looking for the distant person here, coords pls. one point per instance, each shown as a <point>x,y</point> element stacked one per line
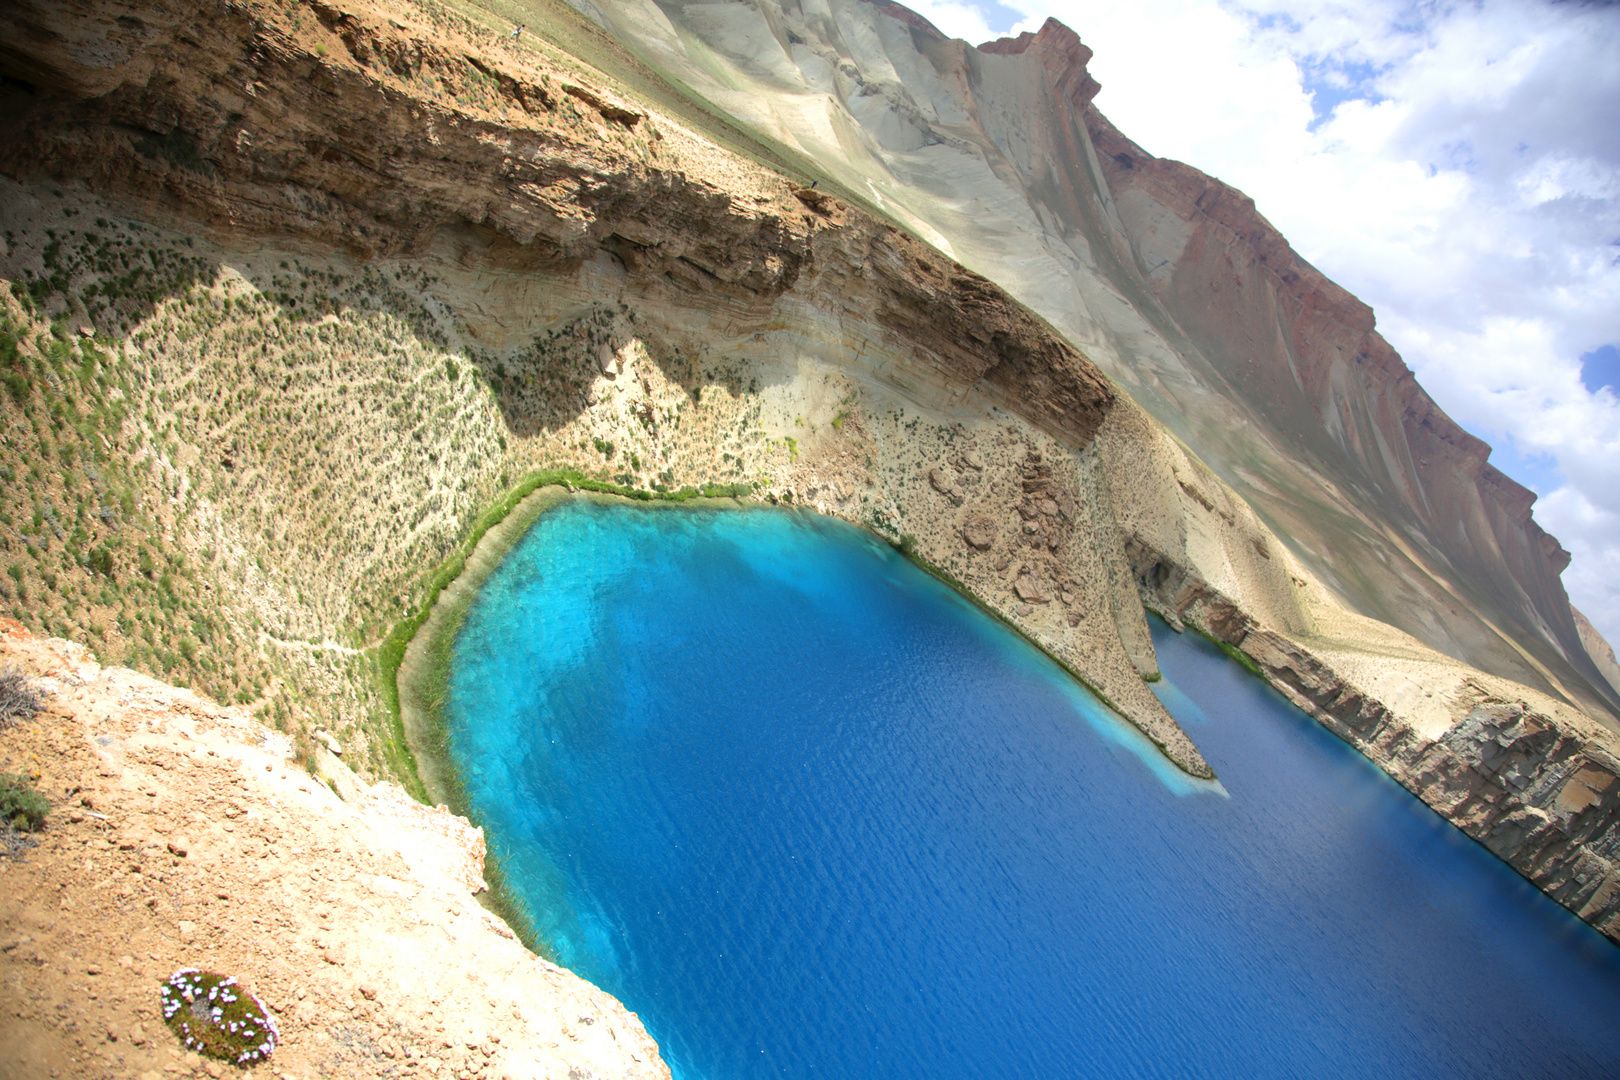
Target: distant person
<point>518,32</point>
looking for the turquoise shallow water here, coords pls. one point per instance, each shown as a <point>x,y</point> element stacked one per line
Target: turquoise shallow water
<point>811,814</point>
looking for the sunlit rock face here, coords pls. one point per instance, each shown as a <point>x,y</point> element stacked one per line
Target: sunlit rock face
<point>1173,283</point>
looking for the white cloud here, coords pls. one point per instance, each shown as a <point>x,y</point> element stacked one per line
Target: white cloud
<point>959,20</point>
<point>1454,164</point>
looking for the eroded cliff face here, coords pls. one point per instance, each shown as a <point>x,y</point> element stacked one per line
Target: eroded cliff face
<point>351,129</point>
<point>469,259</point>
<point>1173,284</point>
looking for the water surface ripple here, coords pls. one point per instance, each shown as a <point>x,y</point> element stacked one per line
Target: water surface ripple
<point>811,814</point>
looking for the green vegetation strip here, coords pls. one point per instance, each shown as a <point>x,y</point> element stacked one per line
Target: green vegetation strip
<point>440,618</point>
<point>391,652</point>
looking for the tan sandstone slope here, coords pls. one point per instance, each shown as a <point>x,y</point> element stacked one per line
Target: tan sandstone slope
<point>184,837</point>
<point>296,290</point>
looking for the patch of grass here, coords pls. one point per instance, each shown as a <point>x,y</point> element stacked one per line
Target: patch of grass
<point>1243,659</point>
<point>20,804</point>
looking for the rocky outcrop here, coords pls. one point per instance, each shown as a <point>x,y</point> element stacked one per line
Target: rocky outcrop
<point>356,130</point>
<point>1541,792</point>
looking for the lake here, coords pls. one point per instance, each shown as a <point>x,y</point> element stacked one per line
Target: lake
<point>812,814</point>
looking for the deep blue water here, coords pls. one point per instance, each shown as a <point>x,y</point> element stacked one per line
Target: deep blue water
<point>811,814</point>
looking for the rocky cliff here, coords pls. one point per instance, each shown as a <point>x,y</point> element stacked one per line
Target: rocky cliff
<point>1536,785</point>
<point>297,291</point>
<point>1174,285</point>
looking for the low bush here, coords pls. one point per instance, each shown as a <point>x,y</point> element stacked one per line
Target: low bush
<point>19,700</point>
<point>20,804</point>
<point>212,1015</point>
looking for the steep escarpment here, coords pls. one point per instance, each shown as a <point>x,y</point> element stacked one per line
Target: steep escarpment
<point>1304,354</point>
<point>355,132</point>
<point>1173,285</point>
<point>1300,357</point>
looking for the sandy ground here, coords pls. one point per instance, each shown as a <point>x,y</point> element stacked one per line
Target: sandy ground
<point>182,836</point>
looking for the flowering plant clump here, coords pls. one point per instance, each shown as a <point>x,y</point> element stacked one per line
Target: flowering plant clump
<point>209,1013</point>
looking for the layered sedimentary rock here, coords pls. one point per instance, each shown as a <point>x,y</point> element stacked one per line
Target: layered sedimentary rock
<point>1536,785</point>
<point>325,135</point>
<point>624,287</point>
<point>1174,285</point>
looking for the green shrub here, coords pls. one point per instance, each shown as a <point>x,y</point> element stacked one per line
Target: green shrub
<point>20,804</point>
<point>100,560</point>
<point>210,1014</point>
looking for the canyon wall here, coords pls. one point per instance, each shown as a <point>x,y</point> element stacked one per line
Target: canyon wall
<point>406,261</point>
<point>1174,285</point>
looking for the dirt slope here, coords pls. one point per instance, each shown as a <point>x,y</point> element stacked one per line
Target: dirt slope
<point>183,837</point>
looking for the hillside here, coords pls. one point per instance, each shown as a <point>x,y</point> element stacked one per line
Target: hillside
<point>191,839</point>
<point>1174,285</point>
<point>302,299</point>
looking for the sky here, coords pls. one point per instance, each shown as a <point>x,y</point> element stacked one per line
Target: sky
<point>1455,165</point>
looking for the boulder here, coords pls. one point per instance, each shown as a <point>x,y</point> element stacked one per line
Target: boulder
<point>979,533</point>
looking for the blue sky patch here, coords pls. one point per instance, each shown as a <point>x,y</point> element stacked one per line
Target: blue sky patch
<point>1333,82</point>
<point>1600,368</point>
<point>1538,472</point>
<point>999,17</point>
